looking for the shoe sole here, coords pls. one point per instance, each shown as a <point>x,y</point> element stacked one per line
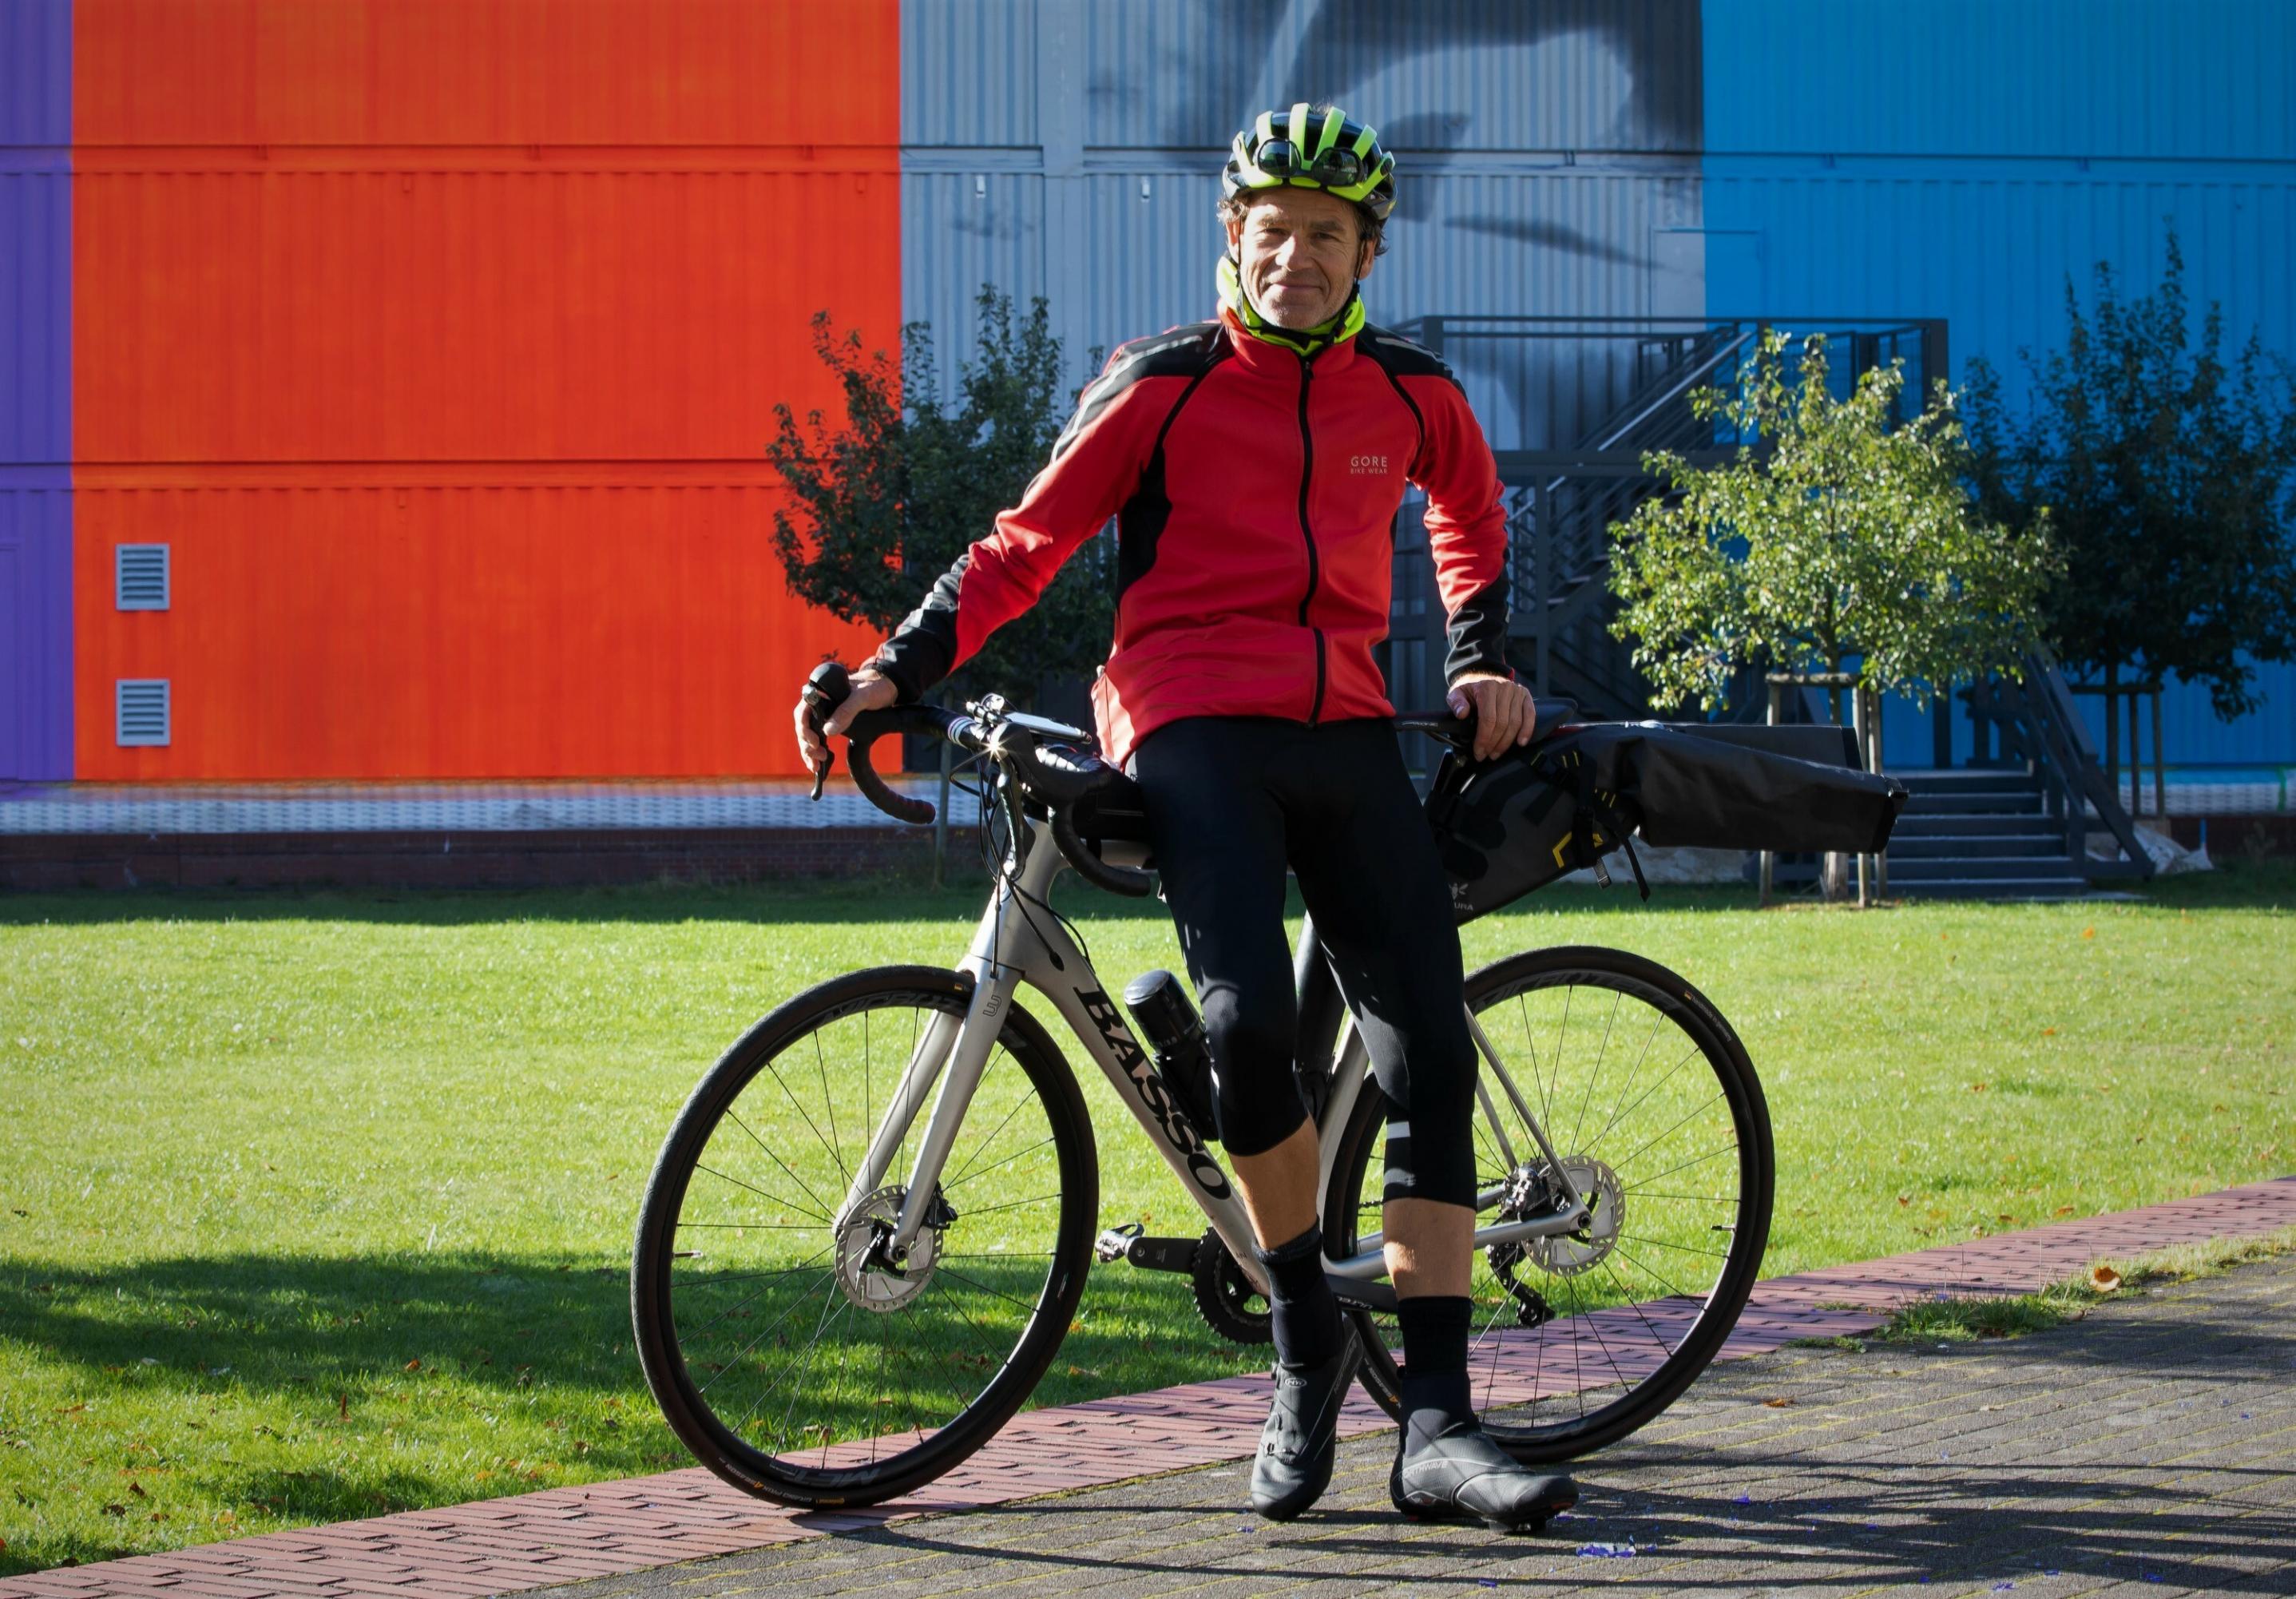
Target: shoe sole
<point>1437,1513</point>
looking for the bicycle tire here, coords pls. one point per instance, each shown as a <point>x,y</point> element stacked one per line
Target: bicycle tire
<point>667,1296</point>
<point>1673,1336</point>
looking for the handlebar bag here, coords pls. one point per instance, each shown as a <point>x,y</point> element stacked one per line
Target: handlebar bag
<point>1509,826</point>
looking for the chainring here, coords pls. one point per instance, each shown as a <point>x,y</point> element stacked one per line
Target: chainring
<point>1225,1297</point>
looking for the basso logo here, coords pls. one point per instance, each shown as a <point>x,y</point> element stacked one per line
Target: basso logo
<point>1367,466</point>
<point>1150,1088</point>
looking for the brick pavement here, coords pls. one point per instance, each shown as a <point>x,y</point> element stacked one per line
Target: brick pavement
<point>566,1535</point>
<point>2145,1450</point>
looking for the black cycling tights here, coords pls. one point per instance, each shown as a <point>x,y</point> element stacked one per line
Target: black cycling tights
<point>1232,800</point>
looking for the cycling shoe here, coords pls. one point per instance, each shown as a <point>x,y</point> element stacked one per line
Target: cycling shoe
<point>1462,1475</point>
<point>1298,1443</point>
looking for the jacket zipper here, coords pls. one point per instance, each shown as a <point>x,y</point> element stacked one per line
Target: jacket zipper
<point>1314,567</point>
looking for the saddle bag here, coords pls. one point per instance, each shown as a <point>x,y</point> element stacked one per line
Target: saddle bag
<point>1510,825</point>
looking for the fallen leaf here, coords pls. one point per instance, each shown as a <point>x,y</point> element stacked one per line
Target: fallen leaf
<point>2088,932</point>
<point>2064,1210</point>
<point>2049,1032</point>
<point>1905,1199</point>
<point>412,1365</point>
<point>2103,1279</point>
<point>1780,1403</point>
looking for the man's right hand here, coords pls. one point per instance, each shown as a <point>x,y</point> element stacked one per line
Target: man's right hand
<point>871,692</point>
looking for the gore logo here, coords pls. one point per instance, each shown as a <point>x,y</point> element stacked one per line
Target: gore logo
<point>1368,466</point>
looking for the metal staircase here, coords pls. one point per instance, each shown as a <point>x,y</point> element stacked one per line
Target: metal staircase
<point>1981,835</point>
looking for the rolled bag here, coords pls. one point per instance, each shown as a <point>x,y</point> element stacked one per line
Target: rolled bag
<point>1507,826</point>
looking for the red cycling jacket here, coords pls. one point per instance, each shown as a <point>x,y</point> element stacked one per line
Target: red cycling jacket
<point>1255,489</point>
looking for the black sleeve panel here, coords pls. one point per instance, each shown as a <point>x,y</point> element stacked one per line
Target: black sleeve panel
<point>923,647</point>
<point>1477,634</point>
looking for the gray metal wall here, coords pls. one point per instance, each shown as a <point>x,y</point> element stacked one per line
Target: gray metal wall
<point>1073,150</point>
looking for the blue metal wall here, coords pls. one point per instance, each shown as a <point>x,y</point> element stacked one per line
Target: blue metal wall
<point>34,389</point>
<point>1967,159</point>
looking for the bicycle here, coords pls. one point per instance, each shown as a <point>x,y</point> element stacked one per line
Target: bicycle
<point>826,1331</point>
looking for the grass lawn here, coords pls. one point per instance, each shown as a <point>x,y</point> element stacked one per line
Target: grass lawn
<point>317,1206</point>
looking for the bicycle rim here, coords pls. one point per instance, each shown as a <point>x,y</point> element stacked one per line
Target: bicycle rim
<point>1651,1108</point>
<point>787,1351</point>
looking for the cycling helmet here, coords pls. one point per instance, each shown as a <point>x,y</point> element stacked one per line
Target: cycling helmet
<point>1309,149</point>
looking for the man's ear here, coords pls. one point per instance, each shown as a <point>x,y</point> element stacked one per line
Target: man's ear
<point>1367,252</point>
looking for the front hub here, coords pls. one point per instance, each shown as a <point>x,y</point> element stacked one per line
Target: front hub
<point>870,1274</point>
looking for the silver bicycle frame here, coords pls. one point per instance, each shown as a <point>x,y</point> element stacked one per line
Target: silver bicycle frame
<point>1019,941</point>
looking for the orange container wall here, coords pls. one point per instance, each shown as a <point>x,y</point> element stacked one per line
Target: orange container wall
<point>325,630</point>
<point>440,341</point>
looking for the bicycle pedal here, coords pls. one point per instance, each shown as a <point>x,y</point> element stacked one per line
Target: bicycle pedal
<point>1112,1244</point>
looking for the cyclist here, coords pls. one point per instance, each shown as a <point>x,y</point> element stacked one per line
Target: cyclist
<point>1254,464</point>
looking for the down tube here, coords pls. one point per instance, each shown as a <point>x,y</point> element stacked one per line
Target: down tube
<point>1094,1018</point>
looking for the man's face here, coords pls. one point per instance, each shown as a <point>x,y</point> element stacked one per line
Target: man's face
<point>1298,252</point>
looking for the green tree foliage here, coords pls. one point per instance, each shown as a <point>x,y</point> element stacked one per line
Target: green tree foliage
<point>2167,476</point>
<point>1830,541</point>
<point>884,502</point>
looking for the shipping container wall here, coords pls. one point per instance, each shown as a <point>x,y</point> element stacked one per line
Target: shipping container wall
<point>2078,79</point>
<point>441,342</point>
<point>36,640</point>
<point>1873,162</point>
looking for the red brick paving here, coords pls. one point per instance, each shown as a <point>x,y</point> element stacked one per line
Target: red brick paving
<point>565,1535</point>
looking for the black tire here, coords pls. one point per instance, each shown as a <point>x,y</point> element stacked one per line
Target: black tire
<point>1649,1303</point>
<point>898,1378</point>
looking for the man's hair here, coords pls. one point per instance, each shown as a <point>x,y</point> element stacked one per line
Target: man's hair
<point>1233,207</point>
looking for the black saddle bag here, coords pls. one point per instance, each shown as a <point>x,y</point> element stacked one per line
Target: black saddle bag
<point>1510,825</point>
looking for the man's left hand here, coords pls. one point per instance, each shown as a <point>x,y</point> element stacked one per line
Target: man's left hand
<point>1502,710</point>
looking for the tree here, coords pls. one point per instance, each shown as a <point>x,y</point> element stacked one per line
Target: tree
<point>2167,478</point>
<point>1829,538</point>
<point>882,503</point>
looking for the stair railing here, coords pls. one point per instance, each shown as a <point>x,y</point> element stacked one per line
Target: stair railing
<point>2037,725</point>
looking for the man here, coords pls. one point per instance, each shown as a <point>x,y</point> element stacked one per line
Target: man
<point>1254,464</point>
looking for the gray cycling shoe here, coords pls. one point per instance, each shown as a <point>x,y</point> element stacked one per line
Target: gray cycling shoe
<point>1300,1440</point>
<point>1461,1474</point>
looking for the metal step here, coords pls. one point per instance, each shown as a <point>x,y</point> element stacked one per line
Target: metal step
<point>1991,887</point>
<point>2022,802</point>
<point>1931,781</point>
<point>1956,867</point>
<point>1945,846</point>
<point>1970,825</point>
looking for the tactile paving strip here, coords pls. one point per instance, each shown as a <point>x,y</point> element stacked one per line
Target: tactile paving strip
<point>564,1535</point>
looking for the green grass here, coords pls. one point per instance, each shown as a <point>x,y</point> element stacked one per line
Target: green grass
<point>317,1206</point>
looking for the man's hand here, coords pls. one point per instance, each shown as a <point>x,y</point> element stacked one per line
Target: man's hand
<point>1502,710</point>
<point>870,692</point>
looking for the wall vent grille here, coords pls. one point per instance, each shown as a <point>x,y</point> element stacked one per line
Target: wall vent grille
<point>140,576</point>
<point>143,712</point>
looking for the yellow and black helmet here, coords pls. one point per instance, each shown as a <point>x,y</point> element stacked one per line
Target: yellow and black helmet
<point>1309,149</point>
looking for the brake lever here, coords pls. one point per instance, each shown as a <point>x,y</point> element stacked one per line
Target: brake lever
<point>825,690</point>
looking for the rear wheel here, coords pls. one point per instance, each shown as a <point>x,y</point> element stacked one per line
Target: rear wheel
<point>789,1349</point>
<point>1654,1112</point>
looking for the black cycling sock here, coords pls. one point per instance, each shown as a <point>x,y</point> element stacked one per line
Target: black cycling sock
<point>1435,1393</point>
<point>1306,1316</point>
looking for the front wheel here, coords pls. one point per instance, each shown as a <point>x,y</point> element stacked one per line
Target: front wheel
<point>1653,1111</point>
<point>790,1349</point>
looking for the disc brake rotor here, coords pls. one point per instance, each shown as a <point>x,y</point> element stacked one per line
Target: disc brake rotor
<point>1567,1254</point>
<point>867,1270</point>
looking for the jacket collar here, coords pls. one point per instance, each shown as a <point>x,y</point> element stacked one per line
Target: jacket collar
<point>1260,343</point>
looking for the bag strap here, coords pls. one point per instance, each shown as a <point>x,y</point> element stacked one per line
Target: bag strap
<point>1590,812</point>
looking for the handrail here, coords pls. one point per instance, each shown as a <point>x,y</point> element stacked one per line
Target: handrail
<point>2039,722</point>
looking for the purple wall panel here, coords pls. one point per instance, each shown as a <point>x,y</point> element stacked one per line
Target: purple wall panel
<point>36,530</point>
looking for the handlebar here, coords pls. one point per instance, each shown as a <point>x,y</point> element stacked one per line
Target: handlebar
<point>1058,777</point>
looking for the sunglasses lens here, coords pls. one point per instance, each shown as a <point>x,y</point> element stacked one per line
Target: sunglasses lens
<point>1278,156</point>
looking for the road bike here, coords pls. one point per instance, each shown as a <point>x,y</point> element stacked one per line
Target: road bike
<point>870,1228</point>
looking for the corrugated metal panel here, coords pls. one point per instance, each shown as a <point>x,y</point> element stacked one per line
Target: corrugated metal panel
<point>36,384</point>
<point>2041,77</point>
<point>969,72</point>
<point>962,230</point>
<point>381,632</point>
<point>375,316</point>
<point>36,39</point>
<point>35,623</point>
<point>487,72</point>
<point>1442,74</point>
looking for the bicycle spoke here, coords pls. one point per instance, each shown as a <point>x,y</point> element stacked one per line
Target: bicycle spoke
<point>1579,1124</point>
<point>753,1188</point>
